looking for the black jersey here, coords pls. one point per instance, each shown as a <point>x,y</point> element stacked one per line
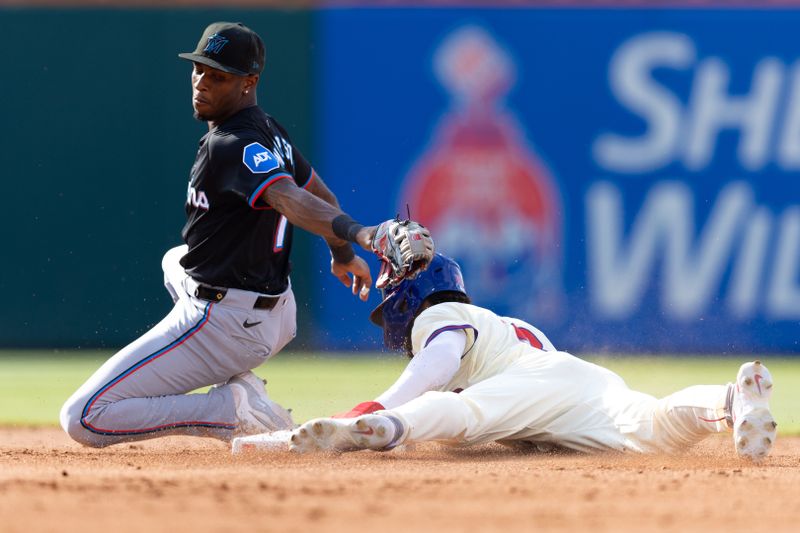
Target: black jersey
<point>235,239</point>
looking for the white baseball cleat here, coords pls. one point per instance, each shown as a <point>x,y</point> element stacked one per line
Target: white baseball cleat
<point>255,412</point>
<point>754,428</point>
<point>367,432</point>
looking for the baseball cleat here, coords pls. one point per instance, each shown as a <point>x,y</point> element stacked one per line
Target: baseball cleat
<point>368,432</point>
<point>754,428</point>
<point>255,412</point>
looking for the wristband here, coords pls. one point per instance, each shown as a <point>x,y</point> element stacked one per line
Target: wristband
<point>342,254</point>
<point>345,227</point>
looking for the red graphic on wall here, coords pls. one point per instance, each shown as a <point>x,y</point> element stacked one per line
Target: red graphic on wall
<point>489,200</point>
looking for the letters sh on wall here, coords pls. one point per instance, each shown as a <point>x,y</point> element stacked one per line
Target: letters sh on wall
<point>625,180</point>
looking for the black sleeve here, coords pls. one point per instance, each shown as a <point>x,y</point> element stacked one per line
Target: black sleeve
<point>302,170</point>
<point>303,173</point>
<point>247,167</point>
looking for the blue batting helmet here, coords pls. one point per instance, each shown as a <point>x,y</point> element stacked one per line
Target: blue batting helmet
<point>401,303</point>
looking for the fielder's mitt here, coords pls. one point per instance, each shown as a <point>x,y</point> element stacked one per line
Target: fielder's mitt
<point>404,247</point>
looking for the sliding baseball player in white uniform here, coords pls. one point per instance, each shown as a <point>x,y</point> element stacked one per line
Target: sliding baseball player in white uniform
<point>476,377</point>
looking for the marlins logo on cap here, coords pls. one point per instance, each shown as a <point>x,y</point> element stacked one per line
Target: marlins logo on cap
<point>215,44</point>
<point>231,47</point>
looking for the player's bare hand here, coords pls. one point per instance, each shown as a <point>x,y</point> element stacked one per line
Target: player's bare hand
<point>356,274</point>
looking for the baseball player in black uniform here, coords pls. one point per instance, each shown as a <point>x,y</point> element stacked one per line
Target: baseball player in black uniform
<point>234,306</point>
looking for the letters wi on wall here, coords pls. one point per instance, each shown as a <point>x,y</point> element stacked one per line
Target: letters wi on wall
<point>625,180</point>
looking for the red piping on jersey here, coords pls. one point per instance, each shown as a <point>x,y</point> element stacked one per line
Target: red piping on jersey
<point>261,188</point>
<point>310,179</point>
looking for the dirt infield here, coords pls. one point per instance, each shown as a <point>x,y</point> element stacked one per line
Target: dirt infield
<point>179,484</point>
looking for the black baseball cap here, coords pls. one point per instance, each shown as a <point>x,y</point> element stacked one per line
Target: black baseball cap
<point>230,47</point>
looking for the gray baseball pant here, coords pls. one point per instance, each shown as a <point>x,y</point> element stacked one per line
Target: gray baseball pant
<point>144,390</point>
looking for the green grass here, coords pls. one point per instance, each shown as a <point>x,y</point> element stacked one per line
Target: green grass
<point>33,385</point>
<point>660,376</point>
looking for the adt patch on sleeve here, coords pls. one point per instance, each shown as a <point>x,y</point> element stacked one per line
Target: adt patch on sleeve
<point>258,159</point>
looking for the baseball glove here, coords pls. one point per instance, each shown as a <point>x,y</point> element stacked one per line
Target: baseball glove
<point>404,247</point>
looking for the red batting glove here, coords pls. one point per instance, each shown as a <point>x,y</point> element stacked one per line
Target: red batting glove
<point>364,408</point>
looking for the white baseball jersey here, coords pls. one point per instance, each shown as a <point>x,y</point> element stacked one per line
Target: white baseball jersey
<point>512,385</point>
<point>493,342</point>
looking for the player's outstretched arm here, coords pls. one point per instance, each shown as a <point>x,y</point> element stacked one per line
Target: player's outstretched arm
<point>432,368</point>
<point>314,210</point>
<point>319,189</point>
<point>405,247</point>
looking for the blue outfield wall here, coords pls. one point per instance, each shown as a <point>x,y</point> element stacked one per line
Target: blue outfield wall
<point>624,180</point>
